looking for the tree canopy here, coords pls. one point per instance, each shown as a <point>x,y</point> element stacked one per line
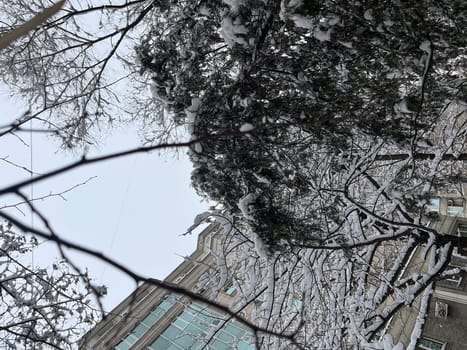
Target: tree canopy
<point>41,308</point>
<point>323,127</point>
<point>284,88</point>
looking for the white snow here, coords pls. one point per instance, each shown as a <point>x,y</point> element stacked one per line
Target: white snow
<point>426,46</point>
<point>418,327</point>
<point>193,109</point>
<point>199,219</point>
<point>245,203</point>
<point>302,21</point>
<point>288,9</point>
<point>322,35</point>
<point>343,71</point>
<point>368,15</point>
<point>295,3</point>
<point>204,11</point>
<point>246,127</point>
<point>234,4</point>
<point>230,30</point>
<point>197,147</point>
<point>333,20</point>
<point>347,44</point>
<point>401,107</point>
<point>191,113</point>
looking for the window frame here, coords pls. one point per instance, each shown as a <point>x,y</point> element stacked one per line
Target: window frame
<point>154,316</point>
<point>230,290</point>
<point>210,325</point>
<point>433,205</point>
<point>453,281</point>
<point>420,346</point>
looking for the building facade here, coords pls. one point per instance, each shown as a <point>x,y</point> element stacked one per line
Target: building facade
<point>152,318</point>
<point>445,324</point>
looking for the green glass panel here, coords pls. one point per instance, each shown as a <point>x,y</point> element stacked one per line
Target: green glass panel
<point>202,322</point>
<point>193,330</point>
<point>160,343</point>
<point>180,323</point>
<point>139,330</point>
<point>425,343</point>
<point>122,346</point>
<point>171,332</point>
<point>245,346</point>
<point>197,345</point>
<point>451,281</point>
<point>231,290</point>
<point>462,229</point>
<point>152,318</point>
<point>131,339</point>
<point>241,326</point>
<point>225,337</point>
<point>187,316</point>
<point>195,306</point>
<point>205,311</point>
<point>448,282</point>
<point>173,347</point>
<point>184,341</point>
<point>165,305</point>
<point>234,330</point>
<point>218,345</point>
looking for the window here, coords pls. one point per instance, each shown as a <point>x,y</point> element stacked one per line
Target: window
<point>230,290</point>
<point>462,230</point>
<point>429,344</point>
<point>432,207</point>
<point>197,327</point>
<point>455,207</point>
<point>453,281</point>
<point>147,322</point>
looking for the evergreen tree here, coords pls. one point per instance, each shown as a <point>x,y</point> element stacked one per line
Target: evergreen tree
<point>277,85</point>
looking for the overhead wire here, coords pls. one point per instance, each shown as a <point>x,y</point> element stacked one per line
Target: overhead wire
<point>31,174</point>
<point>123,203</point>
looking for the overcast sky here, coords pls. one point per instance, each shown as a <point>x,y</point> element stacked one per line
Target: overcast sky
<point>133,209</point>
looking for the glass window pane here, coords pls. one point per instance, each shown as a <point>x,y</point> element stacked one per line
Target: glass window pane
<point>165,305</point>
<point>151,318</point>
<point>233,329</point>
<point>122,346</point>
<point>160,343</point>
<point>202,322</point>
<point>225,337</point>
<point>184,341</point>
<point>180,323</point>
<point>172,332</point>
<point>455,211</point>
<point>462,229</point>
<point>230,290</point>
<point>197,345</point>
<point>192,329</point>
<point>187,316</point>
<point>429,344</point>
<point>131,339</point>
<point>218,345</point>
<point>196,325</point>
<point>245,346</point>
<point>432,206</point>
<point>140,330</point>
<point>173,347</point>
<point>451,281</point>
